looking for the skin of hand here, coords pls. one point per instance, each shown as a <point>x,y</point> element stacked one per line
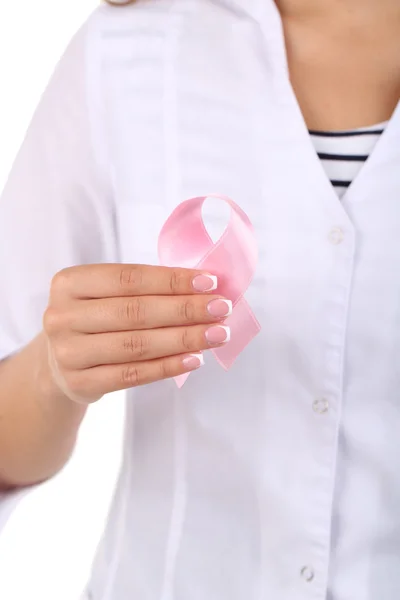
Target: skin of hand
<point>116,2</point>
<point>112,326</point>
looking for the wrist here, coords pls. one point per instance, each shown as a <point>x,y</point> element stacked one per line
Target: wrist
<point>50,393</point>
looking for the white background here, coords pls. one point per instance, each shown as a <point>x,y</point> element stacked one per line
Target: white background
<point>47,547</point>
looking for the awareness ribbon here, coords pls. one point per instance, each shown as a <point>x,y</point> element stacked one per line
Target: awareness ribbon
<point>184,242</point>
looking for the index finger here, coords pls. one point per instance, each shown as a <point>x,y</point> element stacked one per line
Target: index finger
<point>112,280</point>
<point>120,1</point>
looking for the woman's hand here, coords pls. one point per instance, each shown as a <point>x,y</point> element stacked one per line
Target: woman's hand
<point>112,326</point>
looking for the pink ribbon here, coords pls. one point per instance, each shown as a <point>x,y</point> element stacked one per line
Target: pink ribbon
<point>184,242</point>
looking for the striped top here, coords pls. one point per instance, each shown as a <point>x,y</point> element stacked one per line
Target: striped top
<point>343,153</point>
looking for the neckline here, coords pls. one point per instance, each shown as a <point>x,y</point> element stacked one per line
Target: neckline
<point>272,27</point>
<point>377,128</point>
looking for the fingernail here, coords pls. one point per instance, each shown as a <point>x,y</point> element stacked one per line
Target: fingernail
<point>218,334</point>
<point>219,308</point>
<point>193,361</point>
<point>205,283</point>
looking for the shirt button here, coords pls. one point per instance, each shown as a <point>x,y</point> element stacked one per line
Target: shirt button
<point>307,574</point>
<point>336,236</point>
<point>320,405</point>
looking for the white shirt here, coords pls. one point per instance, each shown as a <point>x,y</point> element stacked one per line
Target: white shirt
<point>279,479</point>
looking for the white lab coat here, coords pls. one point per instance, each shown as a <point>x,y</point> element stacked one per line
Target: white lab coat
<point>279,479</point>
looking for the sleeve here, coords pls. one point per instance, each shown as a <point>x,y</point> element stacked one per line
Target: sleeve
<point>56,209</point>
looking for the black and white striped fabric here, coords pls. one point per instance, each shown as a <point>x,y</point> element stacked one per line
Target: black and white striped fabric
<point>343,153</point>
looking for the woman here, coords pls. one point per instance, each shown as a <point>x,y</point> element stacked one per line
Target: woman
<point>280,477</point>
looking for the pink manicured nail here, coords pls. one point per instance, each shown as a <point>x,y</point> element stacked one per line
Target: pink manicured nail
<point>218,334</point>
<point>205,283</point>
<point>219,308</point>
<point>193,361</point>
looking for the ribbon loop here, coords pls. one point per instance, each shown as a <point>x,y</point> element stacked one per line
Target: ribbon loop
<point>185,242</point>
